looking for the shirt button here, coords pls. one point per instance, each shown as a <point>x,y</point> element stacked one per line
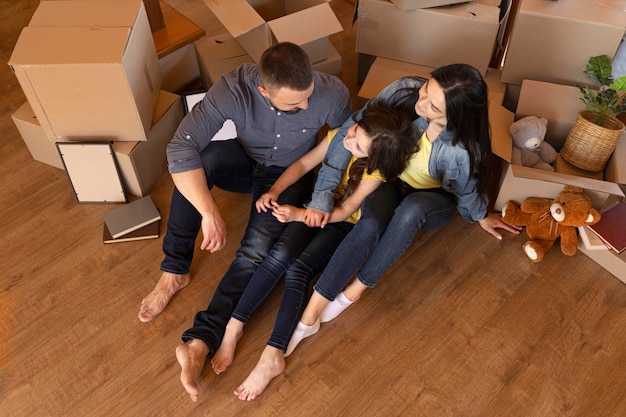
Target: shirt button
<point>275,147</point>
<point>188,137</point>
<point>303,130</point>
<point>278,135</point>
<point>278,113</point>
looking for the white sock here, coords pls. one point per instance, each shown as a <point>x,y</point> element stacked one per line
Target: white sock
<point>335,308</point>
<point>302,332</point>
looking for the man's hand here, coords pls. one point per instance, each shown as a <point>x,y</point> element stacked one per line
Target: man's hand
<point>213,233</point>
<point>315,218</point>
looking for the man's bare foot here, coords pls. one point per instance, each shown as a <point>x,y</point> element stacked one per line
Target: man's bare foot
<point>270,365</point>
<point>191,357</point>
<point>155,302</point>
<point>226,352</point>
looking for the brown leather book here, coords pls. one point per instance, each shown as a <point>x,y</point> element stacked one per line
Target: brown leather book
<point>612,227</point>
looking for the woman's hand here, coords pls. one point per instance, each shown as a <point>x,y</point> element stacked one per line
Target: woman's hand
<point>494,221</point>
<point>315,218</point>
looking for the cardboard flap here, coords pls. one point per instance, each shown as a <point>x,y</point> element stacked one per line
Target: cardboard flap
<point>313,23</point>
<point>500,121</point>
<point>236,15</point>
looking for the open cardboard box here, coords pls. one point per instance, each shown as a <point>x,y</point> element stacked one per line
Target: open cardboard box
<point>432,37</point>
<point>41,149</point>
<point>89,68</point>
<point>560,105</point>
<point>259,25</point>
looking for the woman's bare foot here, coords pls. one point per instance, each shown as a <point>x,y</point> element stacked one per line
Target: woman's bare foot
<point>155,302</point>
<point>270,365</point>
<point>226,352</point>
<point>191,357</point>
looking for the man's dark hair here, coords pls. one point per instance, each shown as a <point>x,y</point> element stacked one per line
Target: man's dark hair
<point>286,65</point>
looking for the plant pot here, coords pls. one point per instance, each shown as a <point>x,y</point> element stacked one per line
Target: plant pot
<point>589,146</point>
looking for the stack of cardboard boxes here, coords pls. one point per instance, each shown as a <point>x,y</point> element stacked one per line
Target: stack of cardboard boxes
<point>253,26</point>
<point>550,43</point>
<point>90,74</point>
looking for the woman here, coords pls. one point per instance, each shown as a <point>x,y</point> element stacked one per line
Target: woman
<point>449,172</point>
<point>380,145</point>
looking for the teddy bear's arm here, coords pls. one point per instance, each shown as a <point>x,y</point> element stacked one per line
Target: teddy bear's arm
<point>535,204</point>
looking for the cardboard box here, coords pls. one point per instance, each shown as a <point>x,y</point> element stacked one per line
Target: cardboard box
<point>553,40</point>
<point>430,37</point>
<point>257,25</point>
<point>610,260</point>
<point>519,182</point>
<point>41,149</point>
<point>407,5</point>
<point>179,68</point>
<point>220,54</point>
<point>332,64</point>
<point>142,163</point>
<point>89,68</point>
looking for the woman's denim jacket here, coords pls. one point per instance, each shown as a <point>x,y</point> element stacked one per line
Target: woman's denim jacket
<point>448,164</point>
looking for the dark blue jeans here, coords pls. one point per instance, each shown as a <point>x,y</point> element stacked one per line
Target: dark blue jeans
<point>376,212</point>
<point>419,210</point>
<point>229,167</point>
<point>313,248</point>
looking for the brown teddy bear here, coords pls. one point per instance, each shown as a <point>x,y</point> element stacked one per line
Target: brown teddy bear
<point>546,220</point>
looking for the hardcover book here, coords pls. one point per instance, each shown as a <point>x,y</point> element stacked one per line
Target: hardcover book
<point>130,217</point>
<point>150,231</point>
<point>612,227</point>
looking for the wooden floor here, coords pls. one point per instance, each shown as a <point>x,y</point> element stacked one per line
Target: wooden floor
<point>462,325</point>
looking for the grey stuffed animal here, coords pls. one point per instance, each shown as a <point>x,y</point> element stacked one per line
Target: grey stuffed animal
<point>529,147</point>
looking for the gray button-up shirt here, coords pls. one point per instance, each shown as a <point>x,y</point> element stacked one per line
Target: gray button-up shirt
<point>269,136</point>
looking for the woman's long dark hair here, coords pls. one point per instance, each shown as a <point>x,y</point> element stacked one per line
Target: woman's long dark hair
<point>467,113</point>
<point>393,142</point>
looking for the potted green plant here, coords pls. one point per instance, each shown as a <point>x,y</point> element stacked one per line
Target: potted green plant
<point>596,131</point>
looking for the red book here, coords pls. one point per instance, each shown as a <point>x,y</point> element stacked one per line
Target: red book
<point>612,227</point>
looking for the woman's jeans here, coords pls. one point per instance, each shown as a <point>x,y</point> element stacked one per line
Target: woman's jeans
<point>228,166</point>
<point>418,210</point>
<point>300,253</point>
<point>376,212</point>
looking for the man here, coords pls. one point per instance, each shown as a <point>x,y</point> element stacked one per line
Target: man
<point>278,108</point>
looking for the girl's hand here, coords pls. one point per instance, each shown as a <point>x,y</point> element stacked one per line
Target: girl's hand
<point>266,202</point>
<point>494,221</point>
<point>286,213</point>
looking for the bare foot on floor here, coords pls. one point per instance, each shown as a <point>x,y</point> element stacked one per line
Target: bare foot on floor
<point>271,364</point>
<point>191,357</point>
<point>226,352</point>
<point>155,302</point>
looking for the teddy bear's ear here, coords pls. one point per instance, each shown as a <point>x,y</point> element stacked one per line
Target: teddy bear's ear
<point>594,216</point>
<point>573,189</point>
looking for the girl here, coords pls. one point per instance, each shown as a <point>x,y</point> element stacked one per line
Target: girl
<point>380,144</point>
<point>448,172</point>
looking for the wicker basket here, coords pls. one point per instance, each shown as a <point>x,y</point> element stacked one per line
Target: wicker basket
<point>588,145</point>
